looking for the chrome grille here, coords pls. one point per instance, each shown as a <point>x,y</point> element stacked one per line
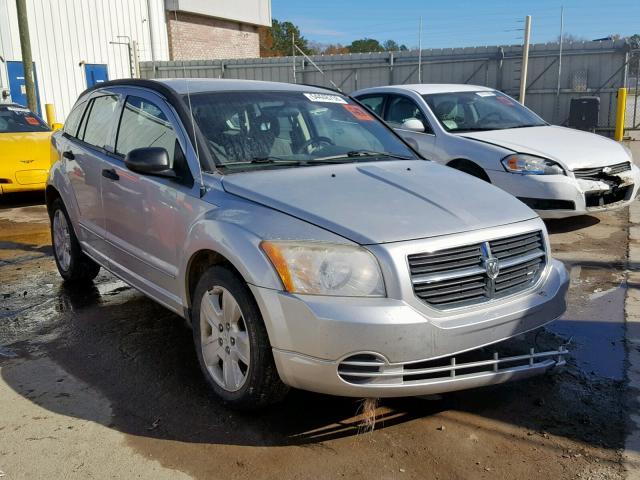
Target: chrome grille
<point>461,276</point>
<point>597,171</point>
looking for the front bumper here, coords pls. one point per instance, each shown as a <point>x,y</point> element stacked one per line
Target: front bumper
<point>313,336</point>
<point>566,195</point>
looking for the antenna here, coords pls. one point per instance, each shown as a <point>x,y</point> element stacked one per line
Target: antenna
<point>193,123</point>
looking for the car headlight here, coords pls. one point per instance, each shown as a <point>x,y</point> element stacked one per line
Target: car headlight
<point>531,165</point>
<point>325,269</point>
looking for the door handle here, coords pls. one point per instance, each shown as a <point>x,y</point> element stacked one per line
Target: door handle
<point>110,174</point>
<point>68,154</point>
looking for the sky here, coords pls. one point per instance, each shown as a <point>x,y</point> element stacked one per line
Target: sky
<point>455,23</point>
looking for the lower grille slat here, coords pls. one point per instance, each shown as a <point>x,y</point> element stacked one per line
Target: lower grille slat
<point>458,276</point>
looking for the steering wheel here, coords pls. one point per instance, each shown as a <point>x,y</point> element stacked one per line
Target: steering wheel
<point>317,141</point>
<point>495,115</point>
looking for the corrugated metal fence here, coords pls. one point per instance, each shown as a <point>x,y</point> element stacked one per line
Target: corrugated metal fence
<point>587,69</point>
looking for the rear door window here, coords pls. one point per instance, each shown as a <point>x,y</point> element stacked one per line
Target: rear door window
<point>97,122</point>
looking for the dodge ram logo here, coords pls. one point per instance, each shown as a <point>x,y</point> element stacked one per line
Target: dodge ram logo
<point>493,267</point>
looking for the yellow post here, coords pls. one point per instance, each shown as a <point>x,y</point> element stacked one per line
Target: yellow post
<point>622,106</point>
<point>51,113</point>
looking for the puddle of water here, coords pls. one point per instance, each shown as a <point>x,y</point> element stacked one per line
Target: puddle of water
<point>595,321</point>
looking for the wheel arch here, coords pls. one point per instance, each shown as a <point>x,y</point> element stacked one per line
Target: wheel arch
<point>199,262</point>
<point>50,196</point>
<point>470,167</point>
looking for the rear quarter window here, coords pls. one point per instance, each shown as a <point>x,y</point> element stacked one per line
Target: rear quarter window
<point>73,120</point>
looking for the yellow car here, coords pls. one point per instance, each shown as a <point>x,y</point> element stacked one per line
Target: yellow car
<point>25,150</point>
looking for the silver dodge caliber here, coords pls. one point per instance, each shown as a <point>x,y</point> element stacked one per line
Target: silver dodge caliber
<point>306,243</point>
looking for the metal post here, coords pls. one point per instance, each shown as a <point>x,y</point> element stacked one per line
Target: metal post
<point>150,22</point>
<point>50,110</point>
<point>293,47</point>
<point>561,42</point>
<point>132,66</point>
<point>525,59</point>
<point>136,58</point>
<point>27,59</point>
<point>620,114</point>
<point>637,93</point>
<point>420,51</point>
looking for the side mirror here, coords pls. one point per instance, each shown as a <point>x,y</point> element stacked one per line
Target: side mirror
<point>57,126</point>
<point>414,125</point>
<point>149,161</point>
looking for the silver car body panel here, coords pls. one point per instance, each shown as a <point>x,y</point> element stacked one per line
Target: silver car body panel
<point>153,228</point>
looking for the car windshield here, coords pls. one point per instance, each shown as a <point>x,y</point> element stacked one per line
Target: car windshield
<point>249,130</point>
<point>20,119</point>
<point>477,111</point>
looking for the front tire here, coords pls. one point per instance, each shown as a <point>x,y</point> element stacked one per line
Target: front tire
<point>72,263</point>
<point>231,342</point>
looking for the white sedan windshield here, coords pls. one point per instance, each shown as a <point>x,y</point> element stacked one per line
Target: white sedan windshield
<point>477,111</point>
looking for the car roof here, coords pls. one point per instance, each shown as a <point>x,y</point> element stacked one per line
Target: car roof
<point>183,86</point>
<point>428,88</point>
<point>6,105</point>
<point>198,85</point>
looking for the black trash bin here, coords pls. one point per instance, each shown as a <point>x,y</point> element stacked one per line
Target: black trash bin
<point>584,113</point>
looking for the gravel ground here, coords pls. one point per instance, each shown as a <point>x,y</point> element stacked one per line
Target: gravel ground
<point>100,382</point>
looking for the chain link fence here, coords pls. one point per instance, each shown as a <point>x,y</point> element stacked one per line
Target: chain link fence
<point>632,113</point>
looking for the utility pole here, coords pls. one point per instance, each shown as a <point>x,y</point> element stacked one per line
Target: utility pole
<point>525,59</point>
<point>27,59</point>
<point>420,51</point>
<point>293,47</point>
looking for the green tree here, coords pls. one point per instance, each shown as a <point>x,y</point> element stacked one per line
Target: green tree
<point>365,45</point>
<point>277,40</point>
<point>392,46</point>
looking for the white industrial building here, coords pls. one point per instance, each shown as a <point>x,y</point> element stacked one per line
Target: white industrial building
<point>77,43</point>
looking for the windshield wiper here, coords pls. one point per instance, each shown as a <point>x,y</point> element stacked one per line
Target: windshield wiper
<point>265,160</point>
<point>526,126</point>
<point>360,154</point>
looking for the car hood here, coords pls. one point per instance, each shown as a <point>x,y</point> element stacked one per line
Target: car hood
<point>379,202</point>
<point>571,148</point>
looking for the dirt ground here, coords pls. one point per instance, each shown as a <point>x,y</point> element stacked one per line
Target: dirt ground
<point>100,382</point>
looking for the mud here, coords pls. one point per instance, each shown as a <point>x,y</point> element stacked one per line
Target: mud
<point>100,381</point>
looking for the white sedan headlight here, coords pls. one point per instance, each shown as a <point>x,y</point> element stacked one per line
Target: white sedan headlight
<point>531,165</point>
<point>325,269</point>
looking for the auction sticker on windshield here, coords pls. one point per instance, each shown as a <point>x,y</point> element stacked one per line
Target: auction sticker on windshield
<point>324,97</point>
<point>358,112</point>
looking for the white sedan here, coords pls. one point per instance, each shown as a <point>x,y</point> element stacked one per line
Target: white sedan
<point>557,171</point>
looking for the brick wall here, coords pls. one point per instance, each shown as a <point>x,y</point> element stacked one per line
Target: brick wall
<point>196,37</point>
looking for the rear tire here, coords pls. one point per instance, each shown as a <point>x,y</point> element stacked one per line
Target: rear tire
<point>232,344</point>
<point>72,263</point>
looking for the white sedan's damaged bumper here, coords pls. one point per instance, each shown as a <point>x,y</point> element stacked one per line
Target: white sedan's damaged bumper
<point>559,196</point>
